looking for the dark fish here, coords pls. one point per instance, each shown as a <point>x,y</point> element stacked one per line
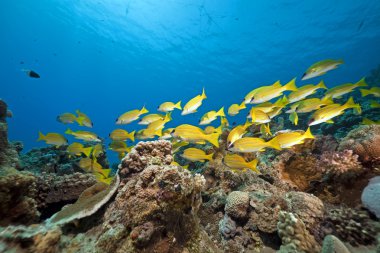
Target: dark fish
<point>31,73</point>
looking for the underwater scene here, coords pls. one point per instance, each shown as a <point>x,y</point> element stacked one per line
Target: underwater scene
<point>189,126</point>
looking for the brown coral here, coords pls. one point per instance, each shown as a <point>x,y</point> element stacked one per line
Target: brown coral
<point>364,141</point>
<point>237,204</point>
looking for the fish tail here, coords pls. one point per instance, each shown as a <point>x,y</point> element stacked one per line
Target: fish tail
<point>252,165</point>
<point>351,104</point>
<point>178,105</point>
<point>308,134</point>
<point>131,135</point>
<point>247,124</point>
<point>361,83</point>
<point>143,110</point>
<point>242,105</point>
<point>209,157</point>
<point>267,128</point>
<point>294,118</point>
<point>213,139</point>
<point>282,101</point>
<point>368,122</point>
<point>273,143</point>
<point>322,85</point>
<point>291,85</point>
<point>168,116</point>
<point>158,132</point>
<point>203,94</point>
<point>374,104</point>
<point>68,131</point>
<point>87,151</point>
<point>365,92</point>
<point>41,137</point>
<point>221,112</point>
<point>327,100</point>
<point>121,155</point>
<point>79,120</point>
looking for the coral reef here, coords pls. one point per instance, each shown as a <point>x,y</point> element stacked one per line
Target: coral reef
<point>237,204</point>
<point>370,196</point>
<point>365,142</point>
<point>333,244</point>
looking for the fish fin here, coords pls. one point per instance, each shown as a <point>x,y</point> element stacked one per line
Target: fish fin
<point>242,106</point>
<point>178,105</point>
<point>185,166</point>
<point>308,134</point>
<point>87,151</point>
<point>291,85</point>
<point>247,124</point>
<point>221,112</point>
<point>79,120</point>
<point>322,85</point>
<point>41,137</point>
<point>252,165</point>
<point>158,132</point>
<point>168,117</point>
<point>273,143</point>
<point>203,96</point>
<point>365,92</point>
<point>374,104</point>
<point>330,121</point>
<point>68,131</point>
<point>293,117</point>
<point>213,139</point>
<point>143,110</point>
<point>131,135</point>
<point>361,83</point>
<point>327,100</point>
<point>351,104</point>
<point>209,157</point>
<point>277,84</point>
<point>281,101</point>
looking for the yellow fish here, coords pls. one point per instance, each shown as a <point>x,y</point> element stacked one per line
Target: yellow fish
<point>97,150</point>
<point>305,91</point>
<point>211,129</point>
<point>275,112</point>
<point>130,116</point>
<point>210,116</point>
<point>169,106</point>
<point>252,144</point>
<point>147,119</point>
<point>83,119</point>
<point>177,145</point>
<point>320,68</point>
<point>174,163</point>
<point>195,134</point>
<point>374,104</point>
<point>119,147</point>
<point>122,135</point>
<point>326,113</point>
<point>311,104</point>
<point>53,139</point>
<point>234,109</point>
<point>67,118</point>
<point>83,135</point>
<point>375,91</point>
<point>268,94</point>
<point>78,149</point>
<point>257,116</point>
<point>370,122</point>
<point>289,139</point>
<point>104,176</point>
<point>265,130</point>
<point>293,117</point>
<point>237,162</point>
<point>196,155</point>
<point>237,133</point>
<point>90,165</point>
<point>167,133</point>
<point>159,124</point>
<point>339,91</point>
<point>224,122</point>
<point>194,104</point>
<point>147,133</point>
<point>248,98</point>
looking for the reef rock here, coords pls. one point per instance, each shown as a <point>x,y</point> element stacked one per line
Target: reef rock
<point>237,204</point>
<point>371,196</point>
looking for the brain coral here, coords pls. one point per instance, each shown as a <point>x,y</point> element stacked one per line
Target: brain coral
<point>237,204</point>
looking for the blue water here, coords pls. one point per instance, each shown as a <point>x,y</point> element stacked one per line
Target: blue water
<point>108,57</point>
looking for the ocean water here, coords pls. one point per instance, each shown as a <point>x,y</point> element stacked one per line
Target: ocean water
<point>109,57</point>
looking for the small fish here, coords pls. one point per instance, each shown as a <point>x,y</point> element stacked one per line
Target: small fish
<point>103,176</point>
<point>268,94</point>
<point>97,150</point>
<point>147,119</point>
<point>193,134</point>
<point>375,91</point>
<point>90,165</point>
<point>370,122</point>
<point>174,163</point>
<point>237,162</point>
<point>289,139</point>
<point>305,91</point>
<point>169,106</point>
<point>340,90</point>
<point>83,135</point>
<point>196,155</point>
<point>268,107</point>
<point>257,116</point>
<point>252,144</point>
<point>147,133</point>
<point>248,98</point>
<point>293,117</point>
<point>31,73</point>
<point>83,119</point>
<point>210,116</point>
<point>320,68</point>
<point>78,149</point>
<point>275,112</point>
<point>234,109</point>
<point>374,104</point>
<point>211,129</point>
<point>237,133</point>
<point>194,104</point>
<point>53,139</point>
<point>67,118</point>
<point>326,113</point>
<point>265,130</point>
<point>167,134</point>
<point>122,135</point>
<point>312,104</point>
<point>176,146</point>
<point>119,147</point>
<point>159,124</point>
<point>130,116</point>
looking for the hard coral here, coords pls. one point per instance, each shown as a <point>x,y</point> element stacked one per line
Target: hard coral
<point>294,235</point>
<point>363,141</point>
<point>370,196</point>
<point>237,204</point>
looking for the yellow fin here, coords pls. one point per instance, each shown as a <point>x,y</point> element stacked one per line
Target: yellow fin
<point>203,96</point>
<point>40,136</point>
<point>178,105</point>
<point>221,112</point>
<point>253,165</point>
<point>291,85</point>
<point>322,85</point>
<point>143,110</point>
<point>308,134</point>
<point>361,83</point>
<point>87,151</point>
<point>273,143</point>
<point>213,139</point>
<point>365,92</point>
